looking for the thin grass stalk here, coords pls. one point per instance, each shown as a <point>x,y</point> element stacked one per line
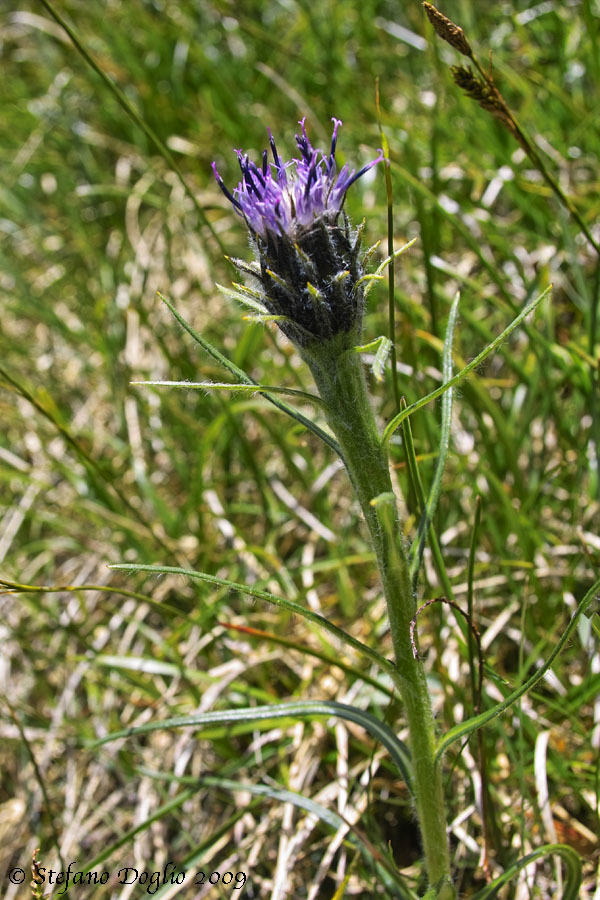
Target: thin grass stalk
<point>391,267</point>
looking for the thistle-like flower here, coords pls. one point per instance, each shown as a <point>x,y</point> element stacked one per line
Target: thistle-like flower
<point>308,262</point>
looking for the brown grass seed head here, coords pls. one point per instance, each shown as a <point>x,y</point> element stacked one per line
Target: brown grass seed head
<point>447,30</point>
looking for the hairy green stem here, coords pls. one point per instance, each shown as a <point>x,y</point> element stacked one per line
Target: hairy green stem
<point>340,379</point>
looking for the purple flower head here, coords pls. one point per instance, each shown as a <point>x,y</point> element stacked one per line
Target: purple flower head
<point>308,271</point>
<point>285,198</point>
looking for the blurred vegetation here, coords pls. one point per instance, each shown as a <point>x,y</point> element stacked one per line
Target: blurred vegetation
<point>94,470</point>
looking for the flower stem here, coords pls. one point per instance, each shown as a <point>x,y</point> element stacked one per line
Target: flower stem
<point>340,379</point>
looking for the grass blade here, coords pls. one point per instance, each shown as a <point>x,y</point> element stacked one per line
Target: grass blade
<point>391,271</point>
<point>133,114</point>
<point>313,807</point>
<point>567,854</point>
<point>472,724</point>
<point>309,651</point>
<point>397,420</point>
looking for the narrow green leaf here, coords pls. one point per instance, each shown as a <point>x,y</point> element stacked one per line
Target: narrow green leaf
<point>274,792</point>
<point>308,708</point>
<point>313,807</point>
<point>372,278</point>
<point>372,347</point>
<point>245,379</point>
<point>417,485</point>
<point>567,854</point>
<point>161,606</point>
<point>306,613</point>
<point>397,420</point>
<point>416,552</point>
<point>235,388</point>
<point>475,722</point>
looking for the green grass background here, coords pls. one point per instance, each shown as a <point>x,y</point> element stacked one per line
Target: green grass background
<point>93,470</point>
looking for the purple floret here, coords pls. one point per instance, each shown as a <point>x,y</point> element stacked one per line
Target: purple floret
<point>285,198</point>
